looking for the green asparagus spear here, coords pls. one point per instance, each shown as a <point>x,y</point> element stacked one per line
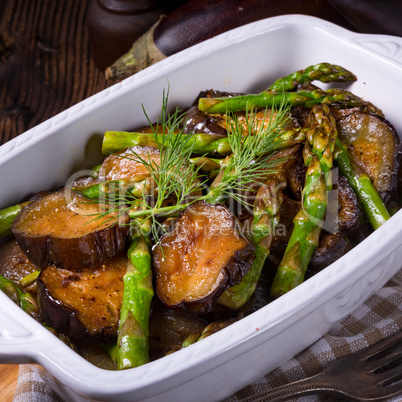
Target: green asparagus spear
<point>112,189</point>
<point>265,209</point>
<point>203,144</point>
<point>265,220</point>
<point>324,72</point>
<point>114,141</point>
<point>305,235</point>
<point>24,299</point>
<point>333,97</point>
<point>321,135</point>
<point>308,221</point>
<point>364,188</point>
<point>7,216</point>
<point>132,343</point>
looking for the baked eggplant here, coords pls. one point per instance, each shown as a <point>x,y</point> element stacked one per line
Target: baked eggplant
<point>295,172</point>
<point>374,145</point>
<point>350,217</point>
<point>126,166</point>
<point>83,305</point>
<point>343,228</point>
<point>332,246</point>
<point>14,264</point>
<point>55,230</point>
<point>287,211</point>
<point>198,122</point>
<point>203,256</point>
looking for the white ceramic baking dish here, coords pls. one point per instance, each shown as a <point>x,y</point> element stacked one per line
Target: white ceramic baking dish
<point>246,59</point>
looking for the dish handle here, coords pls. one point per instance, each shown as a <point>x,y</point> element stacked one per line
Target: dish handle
<point>390,47</point>
<point>18,343</point>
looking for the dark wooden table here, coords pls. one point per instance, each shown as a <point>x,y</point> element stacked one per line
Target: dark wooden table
<point>45,62</point>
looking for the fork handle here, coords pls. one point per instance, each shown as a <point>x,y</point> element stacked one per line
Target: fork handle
<point>316,384</point>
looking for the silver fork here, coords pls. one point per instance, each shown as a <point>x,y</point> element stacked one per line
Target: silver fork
<point>372,374</point>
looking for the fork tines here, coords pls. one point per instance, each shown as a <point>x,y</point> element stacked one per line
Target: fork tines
<point>385,361</point>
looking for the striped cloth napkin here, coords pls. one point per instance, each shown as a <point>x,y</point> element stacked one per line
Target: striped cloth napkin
<point>379,317</point>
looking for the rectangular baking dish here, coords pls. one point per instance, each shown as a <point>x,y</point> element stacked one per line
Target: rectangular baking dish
<point>246,59</point>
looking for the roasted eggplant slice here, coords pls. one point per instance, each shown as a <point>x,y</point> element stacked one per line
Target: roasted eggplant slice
<point>343,228</point>
<point>288,167</point>
<point>14,264</point>
<point>374,145</point>
<point>288,210</point>
<point>200,258</point>
<point>351,220</point>
<point>96,353</point>
<point>55,230</point>
<point>126,166</point>
<point>198,122</point>
<point>295,171</point>
<point>331,248</point>
<point>263,119</point>
<point>85,304</point>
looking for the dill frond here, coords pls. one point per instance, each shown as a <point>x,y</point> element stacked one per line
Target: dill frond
<point>252,146</point>
<point>176,179</point>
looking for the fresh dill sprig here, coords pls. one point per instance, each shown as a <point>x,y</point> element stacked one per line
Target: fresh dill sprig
<point>176,181</point>
<point>252,145</point>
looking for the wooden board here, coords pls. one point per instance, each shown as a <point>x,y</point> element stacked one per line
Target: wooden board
<point>8,381</point>
<point>45,62</point>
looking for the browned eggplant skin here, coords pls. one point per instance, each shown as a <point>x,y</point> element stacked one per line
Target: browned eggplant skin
<point>239,264</point>
<point>83,305</point>
<point>340,233</point>
<point>331,248</point>
<point>288,210</point>
<point>198,122</point>
<point>60,317</point>
<point>351,220</point>
<point>72,252</point>
<point>344,214</point>
<point>296,173</point>
<point>76,253</point>
<point>14,264</point>
<point>169,328</point>
<point>366,156</point>
<point>233,271</point>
